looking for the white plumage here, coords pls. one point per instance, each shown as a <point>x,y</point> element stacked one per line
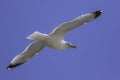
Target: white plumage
<point>54,40</point>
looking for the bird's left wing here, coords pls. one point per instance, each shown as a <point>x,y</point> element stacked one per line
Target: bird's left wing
<point>27,54</point>
<point>62,29</point>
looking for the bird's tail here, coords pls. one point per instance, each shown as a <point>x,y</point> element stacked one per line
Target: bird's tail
<point>37,36</point>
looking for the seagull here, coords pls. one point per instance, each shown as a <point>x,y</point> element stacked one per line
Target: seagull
<point>53,40</point>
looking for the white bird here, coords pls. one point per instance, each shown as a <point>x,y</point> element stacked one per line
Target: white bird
<point>54,40</point>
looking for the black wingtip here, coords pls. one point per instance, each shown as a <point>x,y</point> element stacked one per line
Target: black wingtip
<point>12,66</point>
<point>97,13</point>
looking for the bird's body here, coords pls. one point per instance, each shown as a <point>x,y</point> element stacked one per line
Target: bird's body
<point>54,40</point>
<point>50,40</point>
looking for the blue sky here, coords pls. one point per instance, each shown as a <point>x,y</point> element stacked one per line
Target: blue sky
<point>96,58</point>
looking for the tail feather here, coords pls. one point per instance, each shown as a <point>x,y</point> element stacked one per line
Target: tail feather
<point>37,36</point>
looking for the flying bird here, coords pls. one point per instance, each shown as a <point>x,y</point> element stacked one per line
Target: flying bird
<point>53,40</point>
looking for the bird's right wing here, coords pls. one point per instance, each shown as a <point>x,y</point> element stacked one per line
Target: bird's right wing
<point>27,54</point>
<point>64,28</point>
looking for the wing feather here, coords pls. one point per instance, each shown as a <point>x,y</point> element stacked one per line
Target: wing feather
<point>27,54</point>
<point>64,28</point>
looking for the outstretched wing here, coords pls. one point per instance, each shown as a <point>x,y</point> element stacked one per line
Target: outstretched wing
<point>62,30</point>
<point>27,54</point>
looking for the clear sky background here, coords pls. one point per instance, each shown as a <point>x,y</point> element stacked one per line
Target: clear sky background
<point>96,58</point>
